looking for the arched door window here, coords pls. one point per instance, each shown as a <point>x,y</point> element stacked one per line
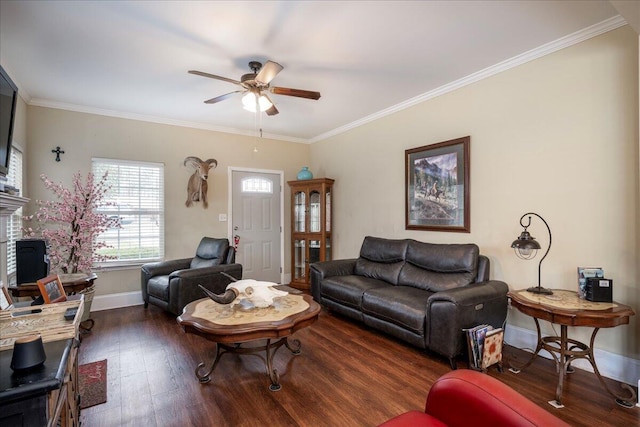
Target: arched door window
<point>257,185</point>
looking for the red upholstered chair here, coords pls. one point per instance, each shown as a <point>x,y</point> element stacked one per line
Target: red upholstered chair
<point>470,398</point>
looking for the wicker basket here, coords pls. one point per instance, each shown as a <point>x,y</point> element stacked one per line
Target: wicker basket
<point>88,299</point>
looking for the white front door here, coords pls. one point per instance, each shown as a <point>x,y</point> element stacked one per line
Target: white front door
<point>256,222</point>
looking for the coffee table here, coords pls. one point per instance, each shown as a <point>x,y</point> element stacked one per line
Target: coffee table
<point>232,327</point>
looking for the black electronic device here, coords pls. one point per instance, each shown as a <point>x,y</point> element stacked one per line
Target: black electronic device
<point>8,99</point>
<point>70,313</point>
<point>599,289</point>
<point>32,263</point>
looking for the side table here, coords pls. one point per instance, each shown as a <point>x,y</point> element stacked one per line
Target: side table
<point>72,283</point>
<point>567,309</point>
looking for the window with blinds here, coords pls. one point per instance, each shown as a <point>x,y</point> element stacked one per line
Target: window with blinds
<point>14,225</point>
<point>136,200</point>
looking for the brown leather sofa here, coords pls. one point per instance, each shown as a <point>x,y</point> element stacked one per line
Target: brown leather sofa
<point>422,293</point>
<point>468,398</point>
<point>173,284</point>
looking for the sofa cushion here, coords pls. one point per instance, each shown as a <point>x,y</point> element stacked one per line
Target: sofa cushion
<point>381,258</point>
<point>404,306</point>
<point>438,267</point>
<point>348,290</point>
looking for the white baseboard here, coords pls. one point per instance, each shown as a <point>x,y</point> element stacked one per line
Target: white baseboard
<point>610,365</point>
<point>123,299</point>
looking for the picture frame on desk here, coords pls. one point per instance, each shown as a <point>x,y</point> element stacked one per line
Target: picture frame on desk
<point>5,299</point>
<point>51,289</point>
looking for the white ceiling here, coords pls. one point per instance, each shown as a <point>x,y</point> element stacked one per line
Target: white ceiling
<point>367,58</point>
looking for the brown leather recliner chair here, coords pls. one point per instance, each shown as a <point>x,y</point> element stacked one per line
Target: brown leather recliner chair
<point>173,284</point>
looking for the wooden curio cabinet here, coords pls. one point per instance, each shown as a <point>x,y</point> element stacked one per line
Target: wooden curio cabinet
<point>310,227</point>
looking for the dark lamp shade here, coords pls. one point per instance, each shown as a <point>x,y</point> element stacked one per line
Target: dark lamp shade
<point>525,246</point>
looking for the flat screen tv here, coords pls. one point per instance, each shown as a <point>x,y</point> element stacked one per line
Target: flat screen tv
<point>8,99</point>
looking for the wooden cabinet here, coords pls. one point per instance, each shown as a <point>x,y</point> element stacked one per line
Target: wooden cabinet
<point>310,227</point>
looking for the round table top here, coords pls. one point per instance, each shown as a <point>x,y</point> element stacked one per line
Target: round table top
<point>567,308</point>
<point>226,323</point>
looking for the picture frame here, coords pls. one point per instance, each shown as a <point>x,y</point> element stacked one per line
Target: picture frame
<point>5,299</point>
<point>437,186</point>
<point>51,289</point>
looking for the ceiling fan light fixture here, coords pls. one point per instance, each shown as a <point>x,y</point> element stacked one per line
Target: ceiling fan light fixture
<point>249,102</point>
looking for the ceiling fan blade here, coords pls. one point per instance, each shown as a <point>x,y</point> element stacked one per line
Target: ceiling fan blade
<point>221,97</point>
<point>295,92</point>
<point>268,72</point>
<point>271,111</point>
<point>213,76</point>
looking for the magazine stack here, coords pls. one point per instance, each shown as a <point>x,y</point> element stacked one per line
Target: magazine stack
<point>485,347</point>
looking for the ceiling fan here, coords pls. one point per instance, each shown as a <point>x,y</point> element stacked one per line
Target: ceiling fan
<point>255,86</point>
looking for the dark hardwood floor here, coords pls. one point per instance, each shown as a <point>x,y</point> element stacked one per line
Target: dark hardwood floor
<point>347,375</point>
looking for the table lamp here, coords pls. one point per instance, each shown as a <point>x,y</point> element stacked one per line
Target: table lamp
<point>526,247</point>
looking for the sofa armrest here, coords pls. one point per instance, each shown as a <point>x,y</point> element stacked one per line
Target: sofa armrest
<point>183,284</point>
<point>451,311</point>
<point>321,270</point>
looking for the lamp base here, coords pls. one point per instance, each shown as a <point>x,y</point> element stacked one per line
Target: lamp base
<point>540,290</point>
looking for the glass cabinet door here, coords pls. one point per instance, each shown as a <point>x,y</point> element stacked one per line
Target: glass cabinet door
<point>299,211</point>
<point>327,210</point>
<point>299,259</point>
<point>314,211</point>
<point>314,251</point>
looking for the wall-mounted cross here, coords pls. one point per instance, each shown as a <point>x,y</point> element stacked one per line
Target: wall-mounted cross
<point>57,152</point>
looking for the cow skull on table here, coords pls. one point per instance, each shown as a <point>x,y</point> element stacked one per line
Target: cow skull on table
<point>247,292</point>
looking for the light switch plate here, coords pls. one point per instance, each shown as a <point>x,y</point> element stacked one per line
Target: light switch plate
<point>222,217</point>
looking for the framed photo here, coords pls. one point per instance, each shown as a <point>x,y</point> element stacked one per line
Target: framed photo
<point>51,289</point>
<point>5,299</point>
<point>437,186</point>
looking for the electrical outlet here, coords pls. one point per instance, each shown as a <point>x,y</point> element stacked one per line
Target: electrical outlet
<point>222,217</point>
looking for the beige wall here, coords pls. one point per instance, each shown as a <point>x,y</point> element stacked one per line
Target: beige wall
<point>557,136</point>
<point>83,136</point>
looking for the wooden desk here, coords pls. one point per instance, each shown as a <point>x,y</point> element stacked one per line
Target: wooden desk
<point>231,326</point>
<point>567,309</point>
<point>46,395</point>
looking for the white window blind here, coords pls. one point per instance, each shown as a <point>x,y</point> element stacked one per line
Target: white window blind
<point>137,201</point>
<point>14,225</point>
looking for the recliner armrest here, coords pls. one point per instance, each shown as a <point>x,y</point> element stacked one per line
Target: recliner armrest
<point>473,293</point>
<point>323,269</point>
<point>183,284</point>
<point>162,268</point>
<point>451,311</point>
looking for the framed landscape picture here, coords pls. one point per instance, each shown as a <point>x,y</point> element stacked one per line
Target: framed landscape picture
<point>51,289</point>
<point>437,186</point>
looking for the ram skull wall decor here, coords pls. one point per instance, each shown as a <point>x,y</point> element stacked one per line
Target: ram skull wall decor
<point>197,186</point>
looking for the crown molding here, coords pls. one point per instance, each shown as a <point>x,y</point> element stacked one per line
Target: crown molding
<point>546,49</point>
<point>153,119</point>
